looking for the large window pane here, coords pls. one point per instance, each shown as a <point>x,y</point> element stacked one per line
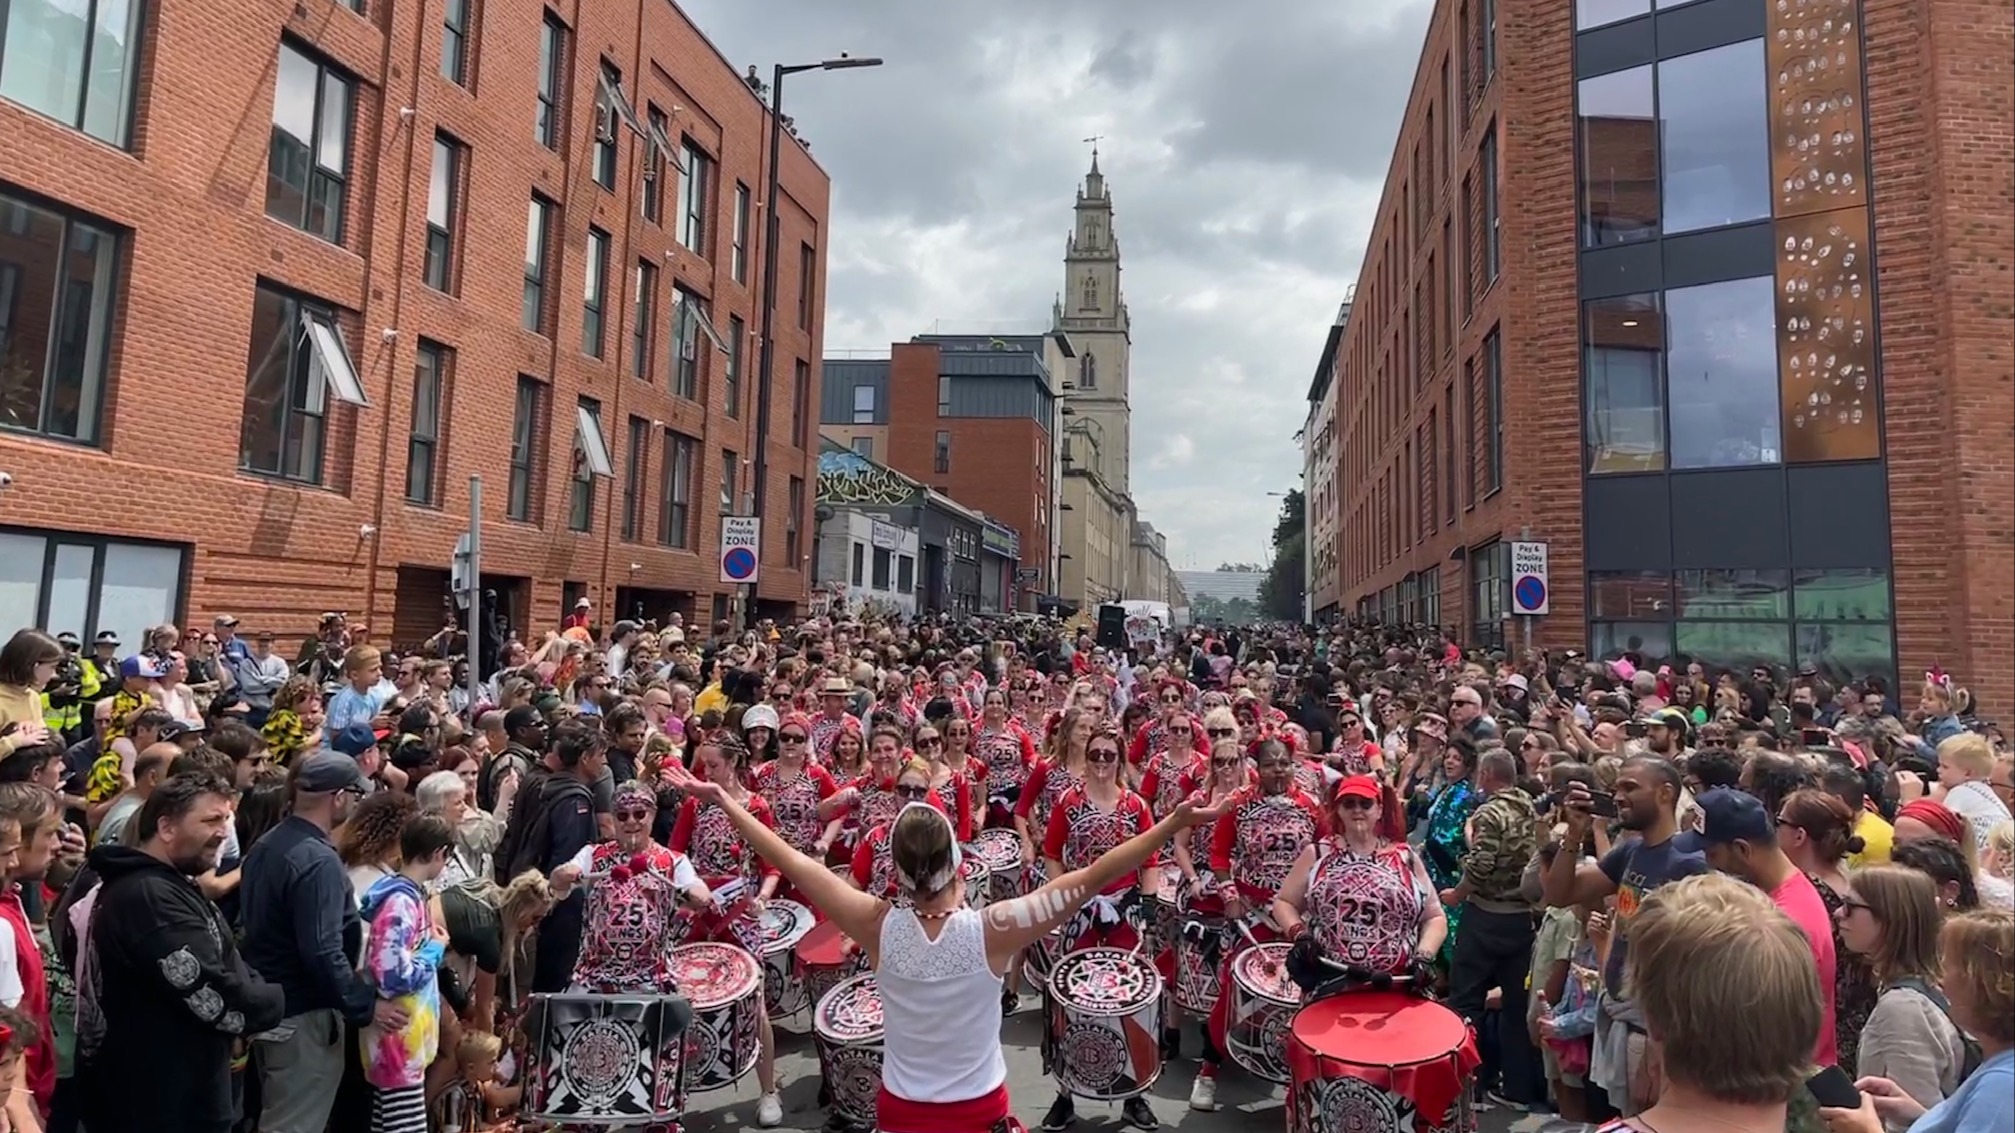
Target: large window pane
<point>1841,596</point>
<point>1714,119</point>
<point>1650,641</point>
<point>1721,374</point>
<point>1619,158</point>
<point>1736,646</point>
<point>108,94</point>
<point>1732,594</point>
<point>307,159</point>
<point>70,589</point>
<point>1844,652</point>
<point>1596,13</point>
<point>1629,595</point>
<point>140,589</point>
<point>286,398</point>
<point>1626,405</point>
<point>55,310</point>
<point>20,578</point>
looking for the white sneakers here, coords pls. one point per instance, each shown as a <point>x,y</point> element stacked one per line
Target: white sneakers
<point>770,1111</point>
<point>1203,1094</point>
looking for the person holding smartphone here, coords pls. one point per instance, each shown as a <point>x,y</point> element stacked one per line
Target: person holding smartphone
<point>1647,802</point>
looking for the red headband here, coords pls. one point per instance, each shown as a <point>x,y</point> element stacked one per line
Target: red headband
<point>1936,815</point>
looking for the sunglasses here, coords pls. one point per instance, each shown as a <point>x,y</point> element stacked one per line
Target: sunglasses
<point>632,815</point>
<point>1354,803</point>
<point>912,792</point>
<point>1222,733</point>
<point>791,738</point>
<point>1102,755</point>
<point>928,741</point>
<point>1232,761</point>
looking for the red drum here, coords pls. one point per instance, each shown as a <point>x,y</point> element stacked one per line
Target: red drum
<point>847,1029</point>
<point>723,1041</point>
<point>978,878</point>
<point>1000,850</point>
<point>601,1060</point>
<point>825,957</point>
<point>1380,1062</point>
<point>785,923</point>
<point>1263,1002</point>
<point>1105,1024</point>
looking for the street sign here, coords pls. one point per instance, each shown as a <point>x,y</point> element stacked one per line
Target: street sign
<point>1528,579</point>
<point>1027,575</point>
<point>741,548</point>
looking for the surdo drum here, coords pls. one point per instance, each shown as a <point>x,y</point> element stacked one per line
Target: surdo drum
<point>847,1030</point>
<point>1263,1002</point>
<point>1105,1023</point>
<point>1199,944</point>
<point>601,1060</point>
<point>724,985</point>
<point>978,877</point>
<point>785,924</point>
<point>1379,1062</point>
<point>1000,851</point>
<point>825,957</point>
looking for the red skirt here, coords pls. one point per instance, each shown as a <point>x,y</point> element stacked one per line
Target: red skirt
<point>988,1113</point>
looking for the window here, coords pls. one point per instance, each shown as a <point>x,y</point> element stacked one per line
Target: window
<point>444,186</point>
<point>1448,455</point>
<point>457,21</point>
<point>906,574</point>
<point>883,560</point>
<point>1714,129</point>
<point>73,60</point>
<point>1488,18</point>
<point>643,312</point>
<point>308,158</point>
<point>526,428</point>
<point>1624,374</point>
<point>1488,570</point>
<point>431,366</point>
<point>652,199</point>
<point>1596,13</point>
<point>85,585</point>
<point>737,334</point>
<point>693,190</point>
<point>1619,158</point>
<point>675,508</point>
<point>795,503</point>
<point>591,459</point>
<point>739,261</point>
<point>1493,424</point>
<point>633,478</point>
<point>689,326</point>
<point>538,235</point>
<point>941,461</point>
<point>1486,161</point>
<point>944,396</point>
<point>57,277</point>
<point>864,446</point>
<point>549,123</point>
<point>730,500</point>
<point>1471,396</point>
<point>1721,374</point>
<point>860,563</point>
<point>864,404</point>
<point>611,114</point>
<point>808,281</point>
<point>297,360</point>
<point>594,291</point>
<point>801,400</point>
<point>1087,372</point>
<point>1837,621</point>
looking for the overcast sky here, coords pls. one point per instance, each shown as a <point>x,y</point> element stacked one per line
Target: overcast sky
<point>1246,145</point>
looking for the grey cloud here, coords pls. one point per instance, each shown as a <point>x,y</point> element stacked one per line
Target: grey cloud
<point>1124,63</point>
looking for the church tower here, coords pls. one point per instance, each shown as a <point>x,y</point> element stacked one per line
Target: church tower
<point>1092,311</point>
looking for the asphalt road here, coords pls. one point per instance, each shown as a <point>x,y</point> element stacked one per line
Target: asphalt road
<point>1244,1104</point>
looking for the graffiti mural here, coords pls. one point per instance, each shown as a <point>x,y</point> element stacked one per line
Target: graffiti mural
<point>848,478</point>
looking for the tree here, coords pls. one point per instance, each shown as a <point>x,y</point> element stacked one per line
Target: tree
<point>1207,608</point>
<point>1246,568</point>
<point>1281,593</point>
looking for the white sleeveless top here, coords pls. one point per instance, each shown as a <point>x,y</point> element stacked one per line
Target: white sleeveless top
<point>936,1047</point>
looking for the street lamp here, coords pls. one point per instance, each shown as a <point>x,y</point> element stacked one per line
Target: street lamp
<point>772,229</point>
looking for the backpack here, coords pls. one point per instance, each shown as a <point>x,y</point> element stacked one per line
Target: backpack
<point>1970,1053</point>
<point>524,844</point>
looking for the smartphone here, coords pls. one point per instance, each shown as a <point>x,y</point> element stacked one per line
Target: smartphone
<point>1833,1088</point>
<point>1814,737</point>
<point>1602,805</point>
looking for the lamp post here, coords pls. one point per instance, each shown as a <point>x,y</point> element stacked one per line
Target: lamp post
<point>771,230</point>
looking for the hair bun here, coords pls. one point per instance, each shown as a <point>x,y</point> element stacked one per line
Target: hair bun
<point>1855,844</point>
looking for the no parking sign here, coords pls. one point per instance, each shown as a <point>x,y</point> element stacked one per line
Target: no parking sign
<point>741,548</point>
<point>1528,579</point>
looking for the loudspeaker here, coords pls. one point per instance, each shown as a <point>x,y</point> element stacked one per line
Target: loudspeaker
<point>1112,627</point>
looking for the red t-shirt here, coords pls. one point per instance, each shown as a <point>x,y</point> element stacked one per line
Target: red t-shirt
<point>1800,901</point>
<point>34,998</point>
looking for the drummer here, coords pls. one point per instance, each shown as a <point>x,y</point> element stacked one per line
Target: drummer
<point>1359,899</point>
<point>1153,735</point>
<point>1056,773</point>
<point>873,869</point>
<point>869,799</point>
<point>626,946</point>
<point>724,859</point>
<point>1172,772</point>
<point>1003,744</point>
<point>1268,825</point>
<point>942,1071</point>
<point>794,786</point>
<point>948,782</point>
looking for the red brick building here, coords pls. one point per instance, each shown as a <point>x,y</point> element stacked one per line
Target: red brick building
<point>1729,328</point>
<point>495,227</point>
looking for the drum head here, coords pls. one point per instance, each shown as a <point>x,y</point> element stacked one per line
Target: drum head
<point>1104,981</point>
<point>999,849</point>
<point>824,946</point>
<point>1379,1028</point>
<point>1262,972</point>
<point>785,923</point>
<point>975,872</point>
<point>711,975</point>
<point>851,1013</point>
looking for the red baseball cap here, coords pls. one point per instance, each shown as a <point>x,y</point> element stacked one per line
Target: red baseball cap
<point>1356,787</point>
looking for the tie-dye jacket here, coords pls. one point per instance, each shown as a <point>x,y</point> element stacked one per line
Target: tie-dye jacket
<point>400,960</point>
